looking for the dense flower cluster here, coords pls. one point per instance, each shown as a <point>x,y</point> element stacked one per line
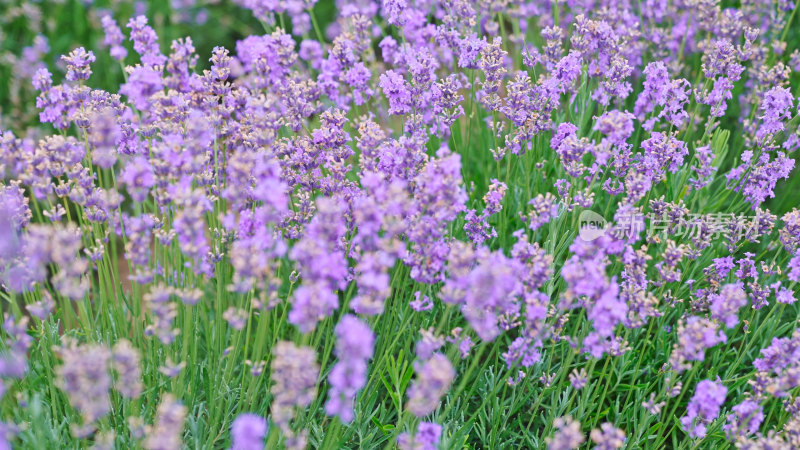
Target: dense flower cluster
<point>374,227</point>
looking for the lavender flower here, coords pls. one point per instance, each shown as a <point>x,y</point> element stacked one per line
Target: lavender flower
<point>694,337</point>
<point>570,148</point>
<point>393,10</point>
<point>84,376</point>
<point>163,313</point>
<point>7,433</point>
<point>662,153</point>
<point>490,290</point>
<point>568,434</point>
<point>438,183</point>
<point>236,318</point>
<point>776,108</point>
<point>703,407</point>
<point>434,377</point>
<point>78,62</point>
<point>607,437</point>
<point>746,419</point>
<point>143,83</point>
<point>578,379</point>
<point>396,90</point>
<point>170,369</point>
<point>704,169</point>
<point>492,63</point>
<point>780,354</point>
<point>13,362</point>
<point>288,177</point>
<point>659,90</point>
<point>323,266</point>
<point>421,302</point>
<point>248,432</point>
<point>477,226</point>
<point>145,42</point>
<point>616,126</point>
<point>784,296</point>
<point>167,432</point>
<point>139,176</point>
<point>126,362</point>
<point>426,438</point>
<point>43,308</point>
<point>354,342</point>
<point>294,373</point>
<point>790,234</point>
<point>114,38</point>
<point>525,351</point>
<point>429,344</point>
<point>793,267</point>
<point>358,78</point>
<point>543,209</point>
<point>726,304</point>
<point>756,179</point>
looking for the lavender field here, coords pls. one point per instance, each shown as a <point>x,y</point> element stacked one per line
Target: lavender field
<point>399,224</point>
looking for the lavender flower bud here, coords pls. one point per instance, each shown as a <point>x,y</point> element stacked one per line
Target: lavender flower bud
<point>354,345</point>
<point>433,380</point>
<point>78,64</point>
<point>125,361</point>
<point>703,408</point>
<point>568,434</point>
<point>294,376</point>
<point>84,376</point>
<point>167,433</point>
<point>248,432</point>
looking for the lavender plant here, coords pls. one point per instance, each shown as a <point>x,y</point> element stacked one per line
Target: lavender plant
<point>400,224</point>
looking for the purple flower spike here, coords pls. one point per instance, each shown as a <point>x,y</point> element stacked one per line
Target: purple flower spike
<point>248,432</point>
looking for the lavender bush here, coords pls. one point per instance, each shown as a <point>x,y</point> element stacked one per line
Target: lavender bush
<point>403,224</point>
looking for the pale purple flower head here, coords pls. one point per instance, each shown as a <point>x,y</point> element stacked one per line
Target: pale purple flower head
<point>78,62</point>
<point>745,419</point>
<point>615,125</point>
<point>568,434</point>
<point>725,305</point>
<point>544,208</point>
<point>578,379</point>
<point>42,80</point>
<point>167,432</point>
<point>143,83</point>
<point>392,11</point>
<point>248,432</point>
<point>294,376</point>
<point>607,437</point>
<point>421,302</point>
<point>139,176</point>
<point>396,90</point>
<point>703,407</point>
<point>125,360</point>
<point>434,377</point>
<point>7,433</point>
<point>114,38</point>
<point>354,346</point>
<point>694,337</point>
<point>427,437</point>
<point>776,107</point>
<point>85,378</point>
<point>145,42</point>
